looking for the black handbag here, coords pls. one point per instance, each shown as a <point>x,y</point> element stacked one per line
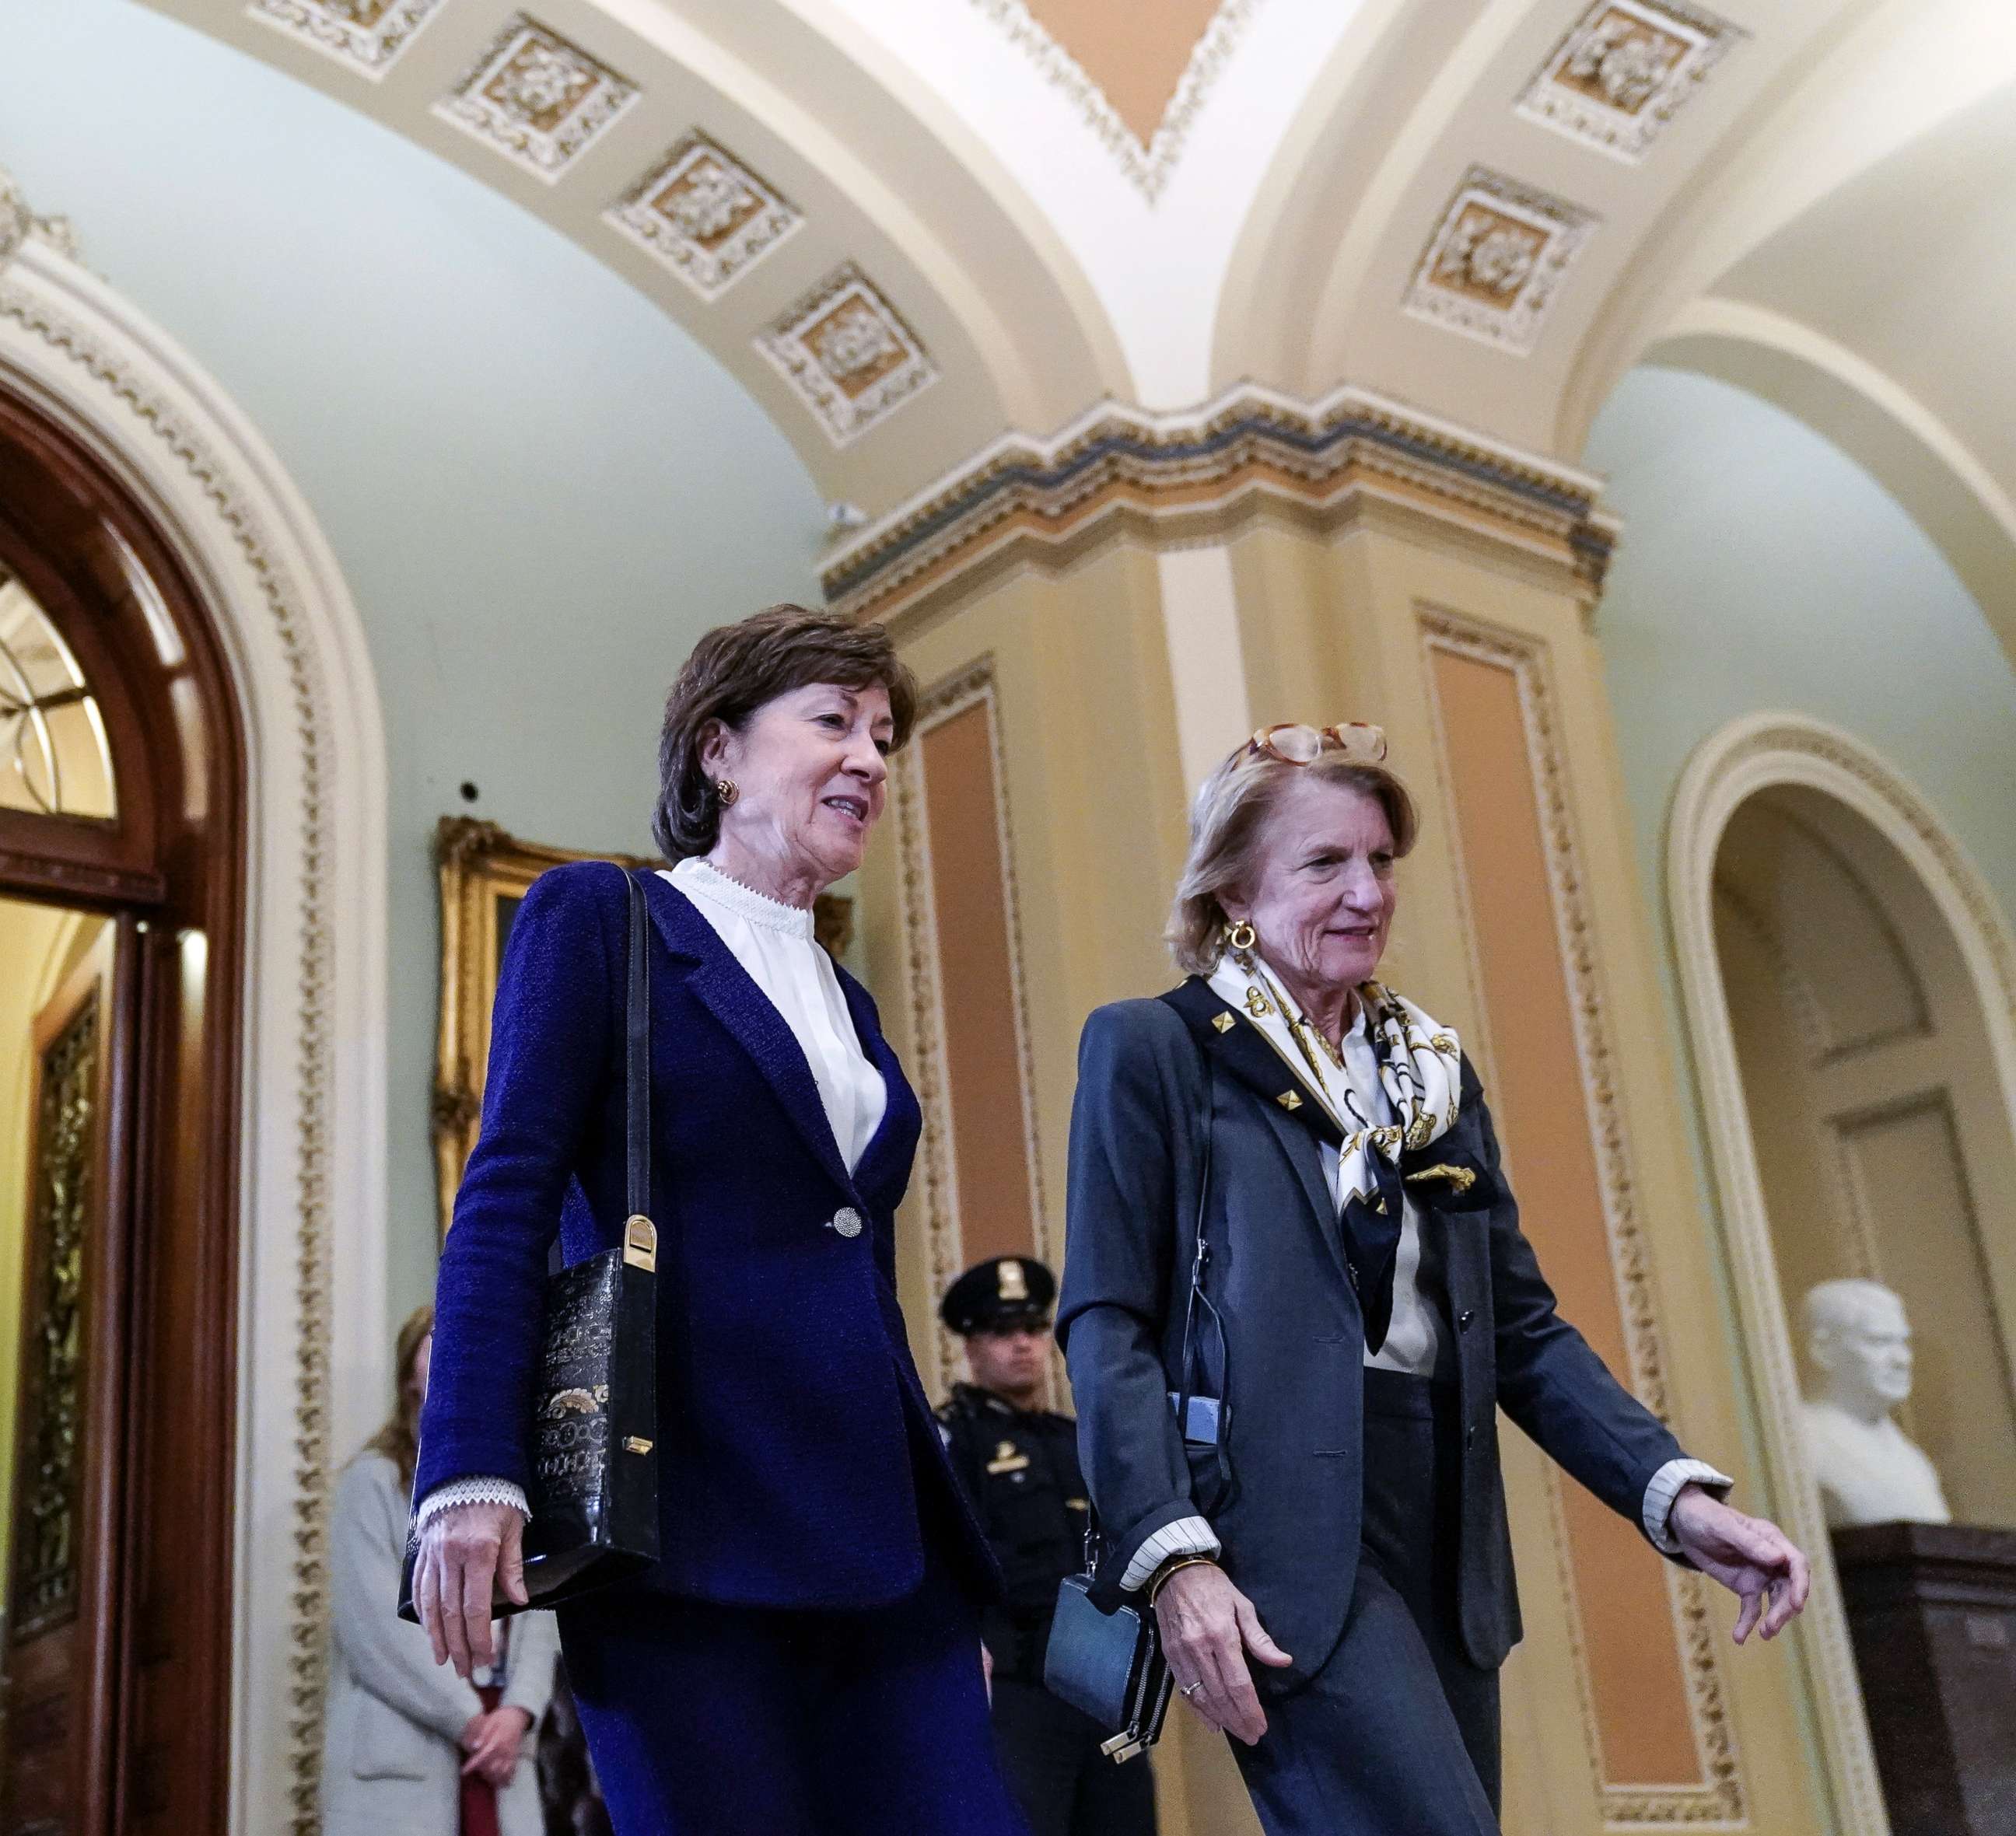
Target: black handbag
<point>1109,1666</point>
<point>594,1490</point>
<point>1106,1660</point>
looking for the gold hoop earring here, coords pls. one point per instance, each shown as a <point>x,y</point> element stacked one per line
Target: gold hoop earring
<point>1241,937</point>
<point>727,790</point>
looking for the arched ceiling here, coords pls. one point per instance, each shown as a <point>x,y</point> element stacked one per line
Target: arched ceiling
<point>910,226</point>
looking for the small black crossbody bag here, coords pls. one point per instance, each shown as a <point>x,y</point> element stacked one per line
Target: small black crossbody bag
<point>1107,1662</point>
<point>594,1490</point>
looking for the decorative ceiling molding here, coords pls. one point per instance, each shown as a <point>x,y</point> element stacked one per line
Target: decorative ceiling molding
<point>1625,69</point>
<point>18,222</point>
<point>1491,269</point>
<point>705,215</point>
<point>1207,467</point>
<point>366,34</point>
<point>1148,167</point>
<point>538,98</point>
<point>848,355</point>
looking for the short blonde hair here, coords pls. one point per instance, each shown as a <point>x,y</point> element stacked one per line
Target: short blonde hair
<point>1226,822</point>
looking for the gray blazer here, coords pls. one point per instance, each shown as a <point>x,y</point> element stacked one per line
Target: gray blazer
<point>391,1760</point>
<point>1293,1381</point>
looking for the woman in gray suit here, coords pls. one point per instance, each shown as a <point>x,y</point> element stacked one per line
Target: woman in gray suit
<point>1317,1151</point>
<point>409,1749</point>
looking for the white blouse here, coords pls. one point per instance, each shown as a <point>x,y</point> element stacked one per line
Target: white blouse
<point>774,942</point>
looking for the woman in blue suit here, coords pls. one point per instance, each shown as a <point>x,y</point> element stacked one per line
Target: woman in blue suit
<point>805,1660</point>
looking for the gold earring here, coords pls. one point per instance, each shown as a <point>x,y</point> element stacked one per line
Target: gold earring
<point>1241,937</point>
<point>726,790</point>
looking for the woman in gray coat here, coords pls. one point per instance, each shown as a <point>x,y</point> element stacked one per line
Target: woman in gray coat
<point>409,1749</point>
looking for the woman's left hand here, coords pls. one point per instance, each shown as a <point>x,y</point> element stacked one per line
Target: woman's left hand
<point>1751,1557</point>
<point>499,1736</point>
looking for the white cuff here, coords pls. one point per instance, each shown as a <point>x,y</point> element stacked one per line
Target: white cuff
<point>1186,1536</point>
<point>477,1490</point>
<point>1665,1486</point>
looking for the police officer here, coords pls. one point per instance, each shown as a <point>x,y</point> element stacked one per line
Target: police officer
<point>1019,1462</point>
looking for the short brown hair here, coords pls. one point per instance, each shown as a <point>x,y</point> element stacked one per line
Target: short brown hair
<point>732,671</point>
<point>1226,821</point>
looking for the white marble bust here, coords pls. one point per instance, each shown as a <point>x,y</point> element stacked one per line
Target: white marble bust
<point>1870,1470</point>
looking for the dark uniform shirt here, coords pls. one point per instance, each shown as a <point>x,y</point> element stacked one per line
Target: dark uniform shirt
<point>1020,1467</point>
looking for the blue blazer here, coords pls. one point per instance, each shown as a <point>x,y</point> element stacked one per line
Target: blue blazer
<point>799,1457</point>
<point>1292,1374</point>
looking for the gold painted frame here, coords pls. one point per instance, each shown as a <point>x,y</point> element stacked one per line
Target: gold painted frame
<point>484,873</point>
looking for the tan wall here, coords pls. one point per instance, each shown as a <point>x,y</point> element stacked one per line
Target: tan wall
<point>1522,925</point>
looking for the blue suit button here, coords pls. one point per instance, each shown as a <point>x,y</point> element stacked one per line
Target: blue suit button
<point>1470,1435</point>
<point>847,1221</point>
<point>1463,1319</point>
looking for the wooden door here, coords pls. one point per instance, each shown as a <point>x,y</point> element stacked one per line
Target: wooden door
<point>63,1623</point>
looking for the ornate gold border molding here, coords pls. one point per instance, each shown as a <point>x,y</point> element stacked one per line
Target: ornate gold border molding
<point>1199,474</point>
<point>1147,168</point>
<point>971,686</point>
<point>307,1629</point>
<point>478,863</point>
<point>1721,1798</point>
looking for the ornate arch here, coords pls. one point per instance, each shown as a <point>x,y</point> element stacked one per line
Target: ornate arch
<point>1754,754</point>
<point>311,1317</point>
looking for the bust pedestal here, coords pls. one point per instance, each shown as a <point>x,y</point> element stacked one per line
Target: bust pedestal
<point>1931,1608</point>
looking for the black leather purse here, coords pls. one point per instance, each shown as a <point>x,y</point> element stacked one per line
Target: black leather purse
<point>594,1490</point>
<point>1105,1654</point>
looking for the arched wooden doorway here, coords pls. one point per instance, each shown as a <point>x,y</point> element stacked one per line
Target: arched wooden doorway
<point>117,1649</point>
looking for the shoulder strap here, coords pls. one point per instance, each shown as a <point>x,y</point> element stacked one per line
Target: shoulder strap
<point>637,1057</point>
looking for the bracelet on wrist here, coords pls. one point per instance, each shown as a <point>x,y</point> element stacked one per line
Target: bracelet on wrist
<point>1160,1579</point>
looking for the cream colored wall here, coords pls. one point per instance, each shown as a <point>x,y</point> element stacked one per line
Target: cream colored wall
<point>1883,1138</point>
<point>1335,621</point>
<point>1330,611</point>
<point>1097,803</point>
<point>38,946</point>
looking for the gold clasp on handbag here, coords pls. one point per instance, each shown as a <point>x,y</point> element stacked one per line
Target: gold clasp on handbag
<point>640,1243</point>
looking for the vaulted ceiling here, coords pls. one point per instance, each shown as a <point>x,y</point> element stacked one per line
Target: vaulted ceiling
<point>910,226</point>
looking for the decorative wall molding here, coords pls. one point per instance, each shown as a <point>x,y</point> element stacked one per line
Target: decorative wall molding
<point>1495,260</point>
<point>927,1065</point>
<point>1199,471</point>
<point>847,355</point>
<point>311,1321</point>
<point>537,98</point>
<point>705,215</point>
<point>1721,1798</point>
<point>1625,68</point>
<point>1146,167</point>
<point>1751,755</point>
<point>367,35</point>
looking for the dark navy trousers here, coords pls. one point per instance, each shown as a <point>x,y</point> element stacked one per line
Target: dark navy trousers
<point>1398,1730</point>
<point>706,1720</point>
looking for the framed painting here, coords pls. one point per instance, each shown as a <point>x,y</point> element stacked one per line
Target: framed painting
<point>484,873</point>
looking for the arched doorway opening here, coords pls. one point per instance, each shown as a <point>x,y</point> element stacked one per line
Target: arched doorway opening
<point>1881,1133</point>
<point>122,921</point>
<point>1799,861</point>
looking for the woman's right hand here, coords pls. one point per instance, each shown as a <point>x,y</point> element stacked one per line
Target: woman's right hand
<point>465,1551</point>
<point>1207,1628</point>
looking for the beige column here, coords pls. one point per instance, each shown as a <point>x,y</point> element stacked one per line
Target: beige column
<point>1134,595</point>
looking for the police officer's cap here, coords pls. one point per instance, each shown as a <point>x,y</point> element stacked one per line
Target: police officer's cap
<point>1003,1291</point>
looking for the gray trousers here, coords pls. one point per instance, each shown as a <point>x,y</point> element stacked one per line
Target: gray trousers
<point>1397,1734</point>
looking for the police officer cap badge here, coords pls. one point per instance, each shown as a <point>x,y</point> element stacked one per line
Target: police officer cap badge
<point>1003,1291</point>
